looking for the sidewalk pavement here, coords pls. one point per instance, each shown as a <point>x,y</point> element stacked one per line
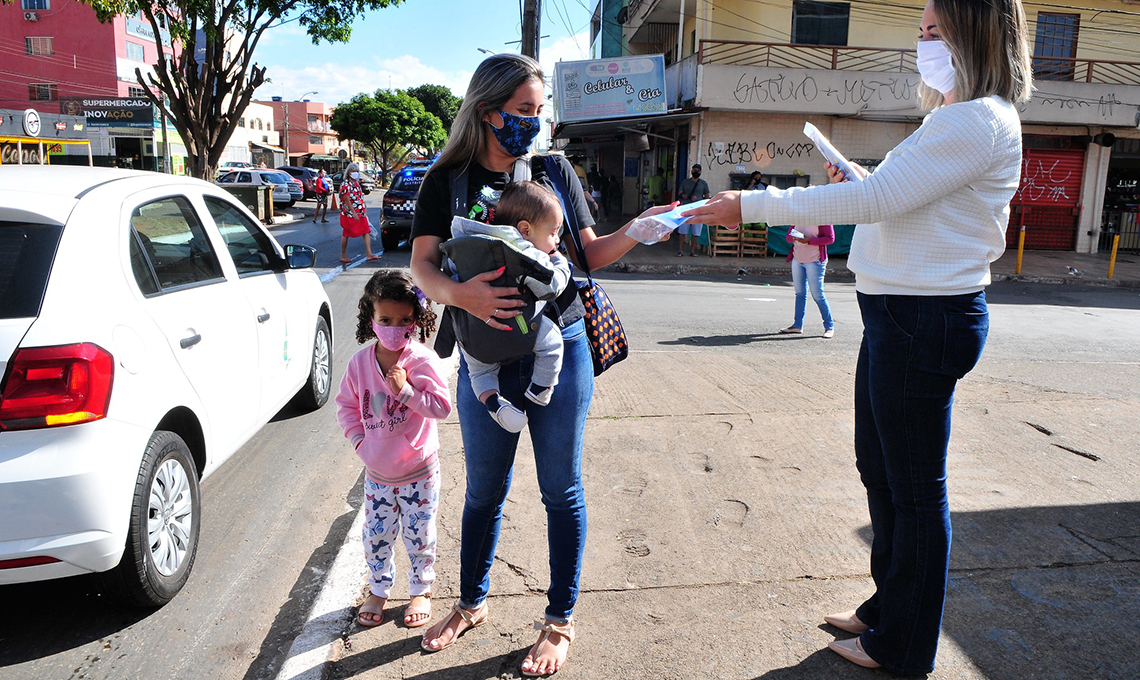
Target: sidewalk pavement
<point>726,518</point>
<point>1038,266</point>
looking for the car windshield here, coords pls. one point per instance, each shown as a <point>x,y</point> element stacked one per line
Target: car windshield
<point>26,254</point>
<point>277,177</point>
<point>409,180</point>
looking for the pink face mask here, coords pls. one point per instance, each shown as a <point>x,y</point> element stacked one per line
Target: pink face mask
<point>393,338</point>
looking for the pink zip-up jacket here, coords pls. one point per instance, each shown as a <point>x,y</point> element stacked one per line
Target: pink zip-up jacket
<point>825,238</point>
<point>394,434</point>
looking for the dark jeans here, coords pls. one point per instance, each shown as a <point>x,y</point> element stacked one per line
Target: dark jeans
<point>914,351</point>
<point>556,434</point>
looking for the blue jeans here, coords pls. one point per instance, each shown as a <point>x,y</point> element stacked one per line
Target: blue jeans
<point>806,274</point>
<point>914,351</point>
<point>556,434</point>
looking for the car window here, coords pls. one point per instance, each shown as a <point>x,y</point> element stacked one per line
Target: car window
<point>26,254</point>
<point>244,177</point>
<point>250,248</point>
<point>228,178</point>
<point>175,244</point>
<point>408,181</point>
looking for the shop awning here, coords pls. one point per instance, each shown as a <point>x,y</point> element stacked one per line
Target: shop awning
<point>326,157</point>
<point>263,145</point>
<point>609,126</point>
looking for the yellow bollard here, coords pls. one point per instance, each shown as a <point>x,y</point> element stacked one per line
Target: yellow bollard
<point>1020,249</point>
<point>1112,258</point>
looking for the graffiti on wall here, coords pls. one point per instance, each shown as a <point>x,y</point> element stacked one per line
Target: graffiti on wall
<point>744,152</point>
<point>1104,104</point>
<point>1040,183</point>
<point>856,90</point>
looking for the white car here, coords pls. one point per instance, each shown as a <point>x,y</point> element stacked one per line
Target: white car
<point>149,326</point>
<point>281,183</point>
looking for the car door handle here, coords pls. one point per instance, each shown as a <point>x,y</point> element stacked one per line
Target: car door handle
<point>263,317</point>
<point>189,342</point>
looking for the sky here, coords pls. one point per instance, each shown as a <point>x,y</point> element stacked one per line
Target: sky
<point>416,42</point>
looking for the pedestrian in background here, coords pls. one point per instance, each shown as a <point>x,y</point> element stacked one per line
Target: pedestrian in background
<point>494,129</point>
<point>809,262</point>
<point>932,217</point>
<point>353,214</point>
<point>693,188</point>
<point>322,187</point>
<point>756,182</point>
<point>390,398</point>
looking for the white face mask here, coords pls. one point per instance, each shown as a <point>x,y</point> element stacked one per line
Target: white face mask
<point>935,66</point>
<point>354,175</point>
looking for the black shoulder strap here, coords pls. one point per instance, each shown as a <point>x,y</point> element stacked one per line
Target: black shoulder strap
<point>554,173</point>
<point>457,180</point>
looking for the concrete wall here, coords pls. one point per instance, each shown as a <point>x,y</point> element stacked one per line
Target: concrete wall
<point>773,143</point>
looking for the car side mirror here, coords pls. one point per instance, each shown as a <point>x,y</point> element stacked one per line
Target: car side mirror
<point>300,257</point>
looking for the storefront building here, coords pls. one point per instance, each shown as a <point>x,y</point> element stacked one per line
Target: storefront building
<point>747,92</point>
<point>29,137</point>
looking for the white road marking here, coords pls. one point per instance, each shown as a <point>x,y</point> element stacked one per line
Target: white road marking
<point>761,299</point>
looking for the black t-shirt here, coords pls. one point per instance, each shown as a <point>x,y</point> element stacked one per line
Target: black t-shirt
<point>433,208</point>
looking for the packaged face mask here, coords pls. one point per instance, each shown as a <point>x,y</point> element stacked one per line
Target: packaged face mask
<point>650,230</point>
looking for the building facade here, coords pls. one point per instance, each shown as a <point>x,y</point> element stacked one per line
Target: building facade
<point>742,78</point>
<point>306,135</point>
<point>60,59</point>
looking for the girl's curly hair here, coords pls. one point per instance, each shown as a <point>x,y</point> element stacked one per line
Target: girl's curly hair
<point>392,284</point>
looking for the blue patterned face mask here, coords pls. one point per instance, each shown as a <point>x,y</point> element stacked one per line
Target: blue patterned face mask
<point>517,133</point>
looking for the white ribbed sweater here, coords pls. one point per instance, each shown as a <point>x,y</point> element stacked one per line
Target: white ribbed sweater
<point>932,217</point>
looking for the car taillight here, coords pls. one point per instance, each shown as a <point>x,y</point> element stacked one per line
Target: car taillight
<point>49,386</point>
<point>391,200</point>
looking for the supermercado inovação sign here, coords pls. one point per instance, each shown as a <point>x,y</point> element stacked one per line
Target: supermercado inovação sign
<point>610,88</point>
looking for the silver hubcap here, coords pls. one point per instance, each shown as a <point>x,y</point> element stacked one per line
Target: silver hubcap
<point>170,517</point>
<point>321,362</point>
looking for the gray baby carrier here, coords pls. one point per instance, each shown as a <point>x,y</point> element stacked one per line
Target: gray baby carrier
<point>468,256</point>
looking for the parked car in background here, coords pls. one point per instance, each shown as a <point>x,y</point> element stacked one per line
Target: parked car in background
<point>306,175</point>
<point>156,327</point>
<point>367,183</point>
<point>285,191</point>
<point>229,166</point>
<point>400,205</point>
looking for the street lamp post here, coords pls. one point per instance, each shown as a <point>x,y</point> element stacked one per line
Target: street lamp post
<point>301,98</point>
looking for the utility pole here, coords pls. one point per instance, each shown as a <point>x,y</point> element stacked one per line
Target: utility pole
<point>531,21</point>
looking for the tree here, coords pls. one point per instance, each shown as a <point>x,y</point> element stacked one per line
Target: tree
<point>390,123</point>
<point>439,101</point>
<point>206,84</point>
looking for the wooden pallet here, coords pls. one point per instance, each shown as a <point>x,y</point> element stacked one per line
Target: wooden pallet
<point>754,240</point>
<point>724,241</point>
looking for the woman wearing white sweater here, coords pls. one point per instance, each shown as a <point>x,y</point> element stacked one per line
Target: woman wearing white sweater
<point>932,217</point>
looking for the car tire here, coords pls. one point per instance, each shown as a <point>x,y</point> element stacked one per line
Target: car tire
<point>389,240</point>
<point>157,559</point>
<point>319,385</point>
<point>291,203</point>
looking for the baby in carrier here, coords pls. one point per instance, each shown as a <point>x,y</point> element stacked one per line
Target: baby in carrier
<point>524,238</point>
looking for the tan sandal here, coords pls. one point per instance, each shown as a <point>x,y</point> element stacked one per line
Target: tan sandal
<point>472,619</point>
<point>367,608</point>
<point>413,610</point>
<point>566,630</point>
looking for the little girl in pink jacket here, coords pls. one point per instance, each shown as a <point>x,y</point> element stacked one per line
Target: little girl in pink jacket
<point>391,396</point>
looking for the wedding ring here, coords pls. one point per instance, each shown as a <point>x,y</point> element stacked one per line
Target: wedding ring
<point>488,319</point>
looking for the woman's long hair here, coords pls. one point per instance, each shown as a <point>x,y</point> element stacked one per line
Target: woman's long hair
<point>492,85</point>
<point>988,43</point>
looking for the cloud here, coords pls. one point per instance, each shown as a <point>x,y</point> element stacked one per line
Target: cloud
<point>339,82</point>
<point>571,48</point>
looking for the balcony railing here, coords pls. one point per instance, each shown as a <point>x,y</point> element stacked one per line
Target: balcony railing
<point>838,58</point>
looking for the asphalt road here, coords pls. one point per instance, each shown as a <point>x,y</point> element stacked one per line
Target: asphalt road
<point>275,513</point>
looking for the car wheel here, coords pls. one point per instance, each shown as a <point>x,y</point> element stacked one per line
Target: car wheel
<point>163,537</point>
<point>389,240</point>
<point>316,390</point>
<point>291,202</point>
